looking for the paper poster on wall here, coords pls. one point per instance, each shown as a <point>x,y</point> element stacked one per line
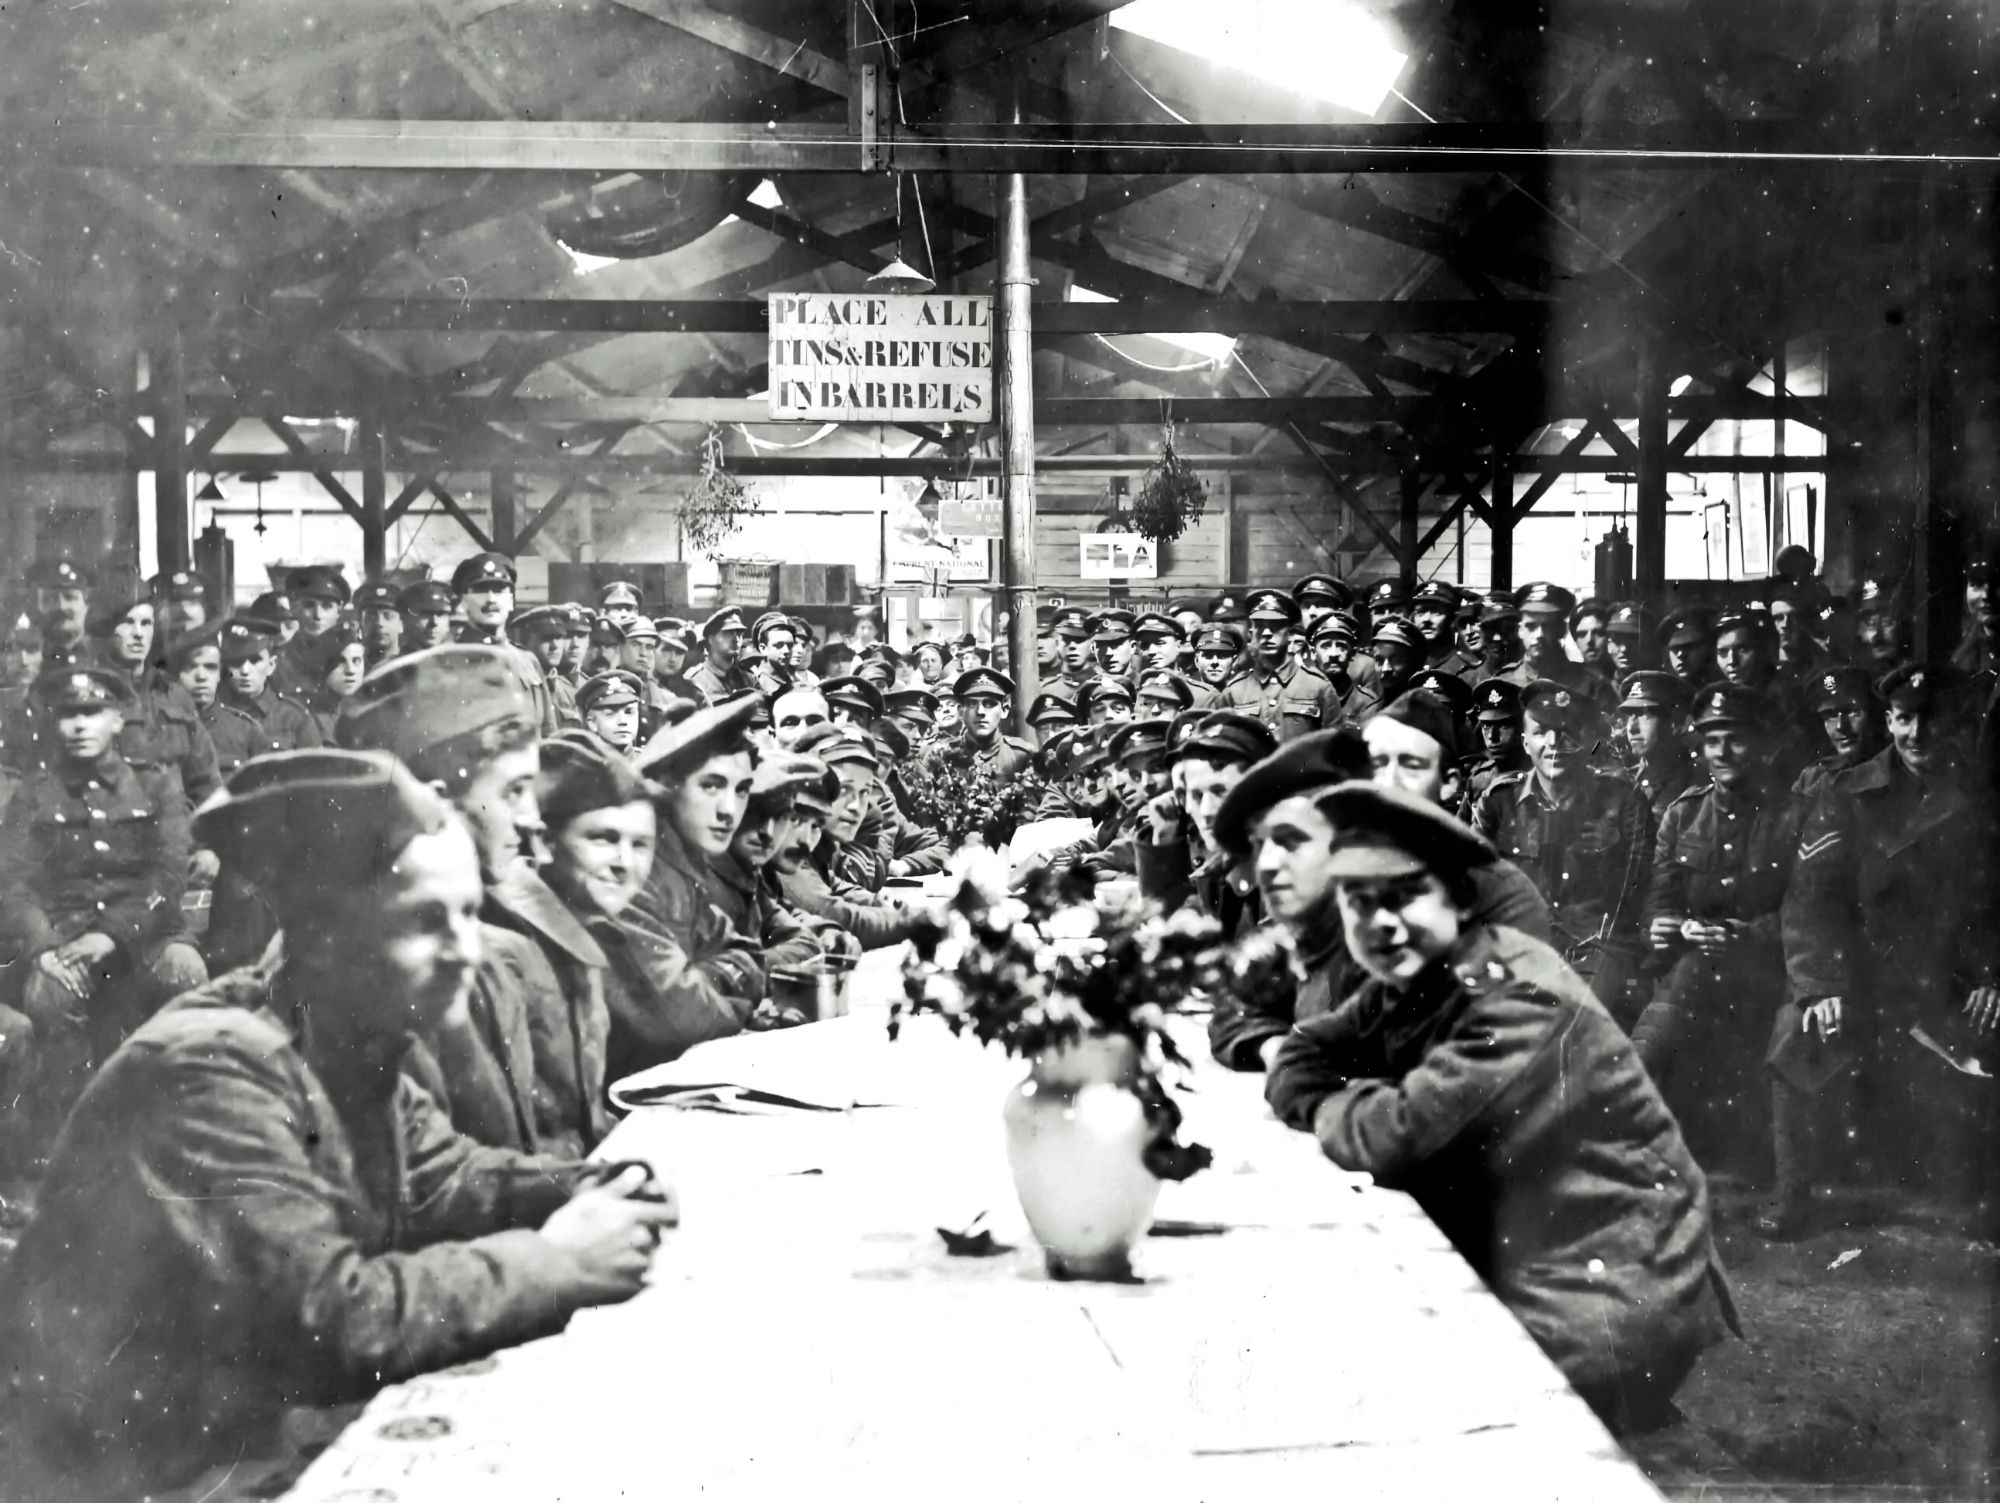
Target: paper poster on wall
<point>949,561</point>
<point>1753,509</point>
<point>1118,555</point>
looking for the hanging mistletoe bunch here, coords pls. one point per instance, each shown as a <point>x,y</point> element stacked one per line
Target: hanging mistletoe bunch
<point>717,502</point>
<point>1170,496</point>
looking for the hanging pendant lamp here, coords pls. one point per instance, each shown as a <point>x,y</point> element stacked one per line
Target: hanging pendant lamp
<point>899,275</point>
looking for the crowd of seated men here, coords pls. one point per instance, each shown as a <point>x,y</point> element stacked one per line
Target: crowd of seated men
<point>464,864</point>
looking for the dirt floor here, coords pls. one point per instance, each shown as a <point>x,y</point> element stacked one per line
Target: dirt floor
<point>1866,1368</point>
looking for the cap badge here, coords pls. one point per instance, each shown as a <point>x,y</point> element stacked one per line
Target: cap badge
<point>1562,699</point>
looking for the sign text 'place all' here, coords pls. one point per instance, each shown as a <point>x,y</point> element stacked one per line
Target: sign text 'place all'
<point>878,358</point>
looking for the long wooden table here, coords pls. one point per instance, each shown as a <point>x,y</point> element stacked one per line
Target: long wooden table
<point>806,1335</point>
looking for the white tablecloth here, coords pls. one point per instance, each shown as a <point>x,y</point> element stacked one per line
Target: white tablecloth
<point>807,1336</point>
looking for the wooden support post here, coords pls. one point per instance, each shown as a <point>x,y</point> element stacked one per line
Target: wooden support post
<point>1226,553</point>
<point>1929,426</point>
<point>505,492</point>
<point>1017,437</point>
<point>1649,572</point>
<point>1501,569</point>
<point>1408,548</point>
<point>170,487</point>
<point>374,500</point>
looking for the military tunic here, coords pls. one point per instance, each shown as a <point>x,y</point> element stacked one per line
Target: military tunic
<point>1664,779</point>
<point>244,728</point>
<point>1589,856</point>
<point>1293,701</point>
<point>1719,856</point>
<point>528,665</point>
<point>228,1229</point>
<point>1578,678</point>
<point>706,686</point>
<point>1498,1093</point>
<point>1006,757</point>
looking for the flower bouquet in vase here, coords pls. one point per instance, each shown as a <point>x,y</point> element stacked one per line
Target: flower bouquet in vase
<point>1080,989</point>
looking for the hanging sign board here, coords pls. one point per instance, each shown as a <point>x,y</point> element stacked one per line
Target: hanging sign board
<point>881,358</point>
<point>1118,555</point>
<point>970,508</point>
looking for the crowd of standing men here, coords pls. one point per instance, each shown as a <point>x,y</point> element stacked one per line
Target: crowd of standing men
<point>457,864</point>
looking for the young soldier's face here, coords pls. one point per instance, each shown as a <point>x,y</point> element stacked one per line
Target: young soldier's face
<point>606,854</point>
<point>1077,654</point>
<point>1499,736</point>
<point>87,735</point>
<point>1846,727</point>
<point>1406,758</point>
<point>1291,848</point>
<point>1203,787</point>
<point>247,676</point>
<point>1397,927</point>
<point>317,616</point>
<point>706,807</point>
<point>132,637</point>
<point>201,675</point>
<point>981,715</point>
<point>617,724</point>
<point>423,629</point>
<point>501,809</point>
<point>1647,732</point>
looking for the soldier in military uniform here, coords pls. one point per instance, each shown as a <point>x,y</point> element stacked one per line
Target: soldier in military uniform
<point>543,632</point>
<point>983,696</point>
<point>378,608</point>
<point>1544,627</point>
<point>1386,600</point>
<point>1111,637</point>
<point>93,861</point>
<point>720,673</point>
<point>1050,715</point>
<point>852,700</point>
<point>1218,653</point>
<point>609,703</point>
<point>774,637</point>
<point>1721,863</point>
<point>1106,699</point>
<point>1746,654</point>
<point>1850,717</point>
<point>1688,639</point>
<point>915,708</point>
<point>1496,716</point>
<point>881,665</point>
<point>1651,714</point>
<point>1161,642</point>
<point>251,718</point>
<point>1434,613</point>
<point>484,587</point>
<point>1316,595</point>
<point>1881,624</point>
<point>1399,648</point>
<point>1791,603</point>
<point>1625,639</point>
<point>620,602</point>
<point>1355,676</point>
<point>62,606</point>
<point>1471,1056</point>
<point>1585,837</point>
<point>1289,697</point>
<point>1889,928</point>
<point>1589,624</point>
<point>319,594</point>
<point>1977,655</point>
<point>426,608</point>
<point>160,724</point>
<point>1162,693</point>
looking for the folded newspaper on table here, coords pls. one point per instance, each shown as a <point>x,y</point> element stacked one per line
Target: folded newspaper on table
<point>833,1066</point>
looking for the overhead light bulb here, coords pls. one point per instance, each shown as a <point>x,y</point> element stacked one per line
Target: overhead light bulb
<point>899,276</point>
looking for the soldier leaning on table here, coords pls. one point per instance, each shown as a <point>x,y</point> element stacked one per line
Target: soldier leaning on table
<point>804,877</point>
<point>736,877</point>
<point>461,717</point>
<point>692,975</point>
<point>253,1208</point>
<point>1475,1071</point>
<point>1263,823</point>
<point>1176,858</point>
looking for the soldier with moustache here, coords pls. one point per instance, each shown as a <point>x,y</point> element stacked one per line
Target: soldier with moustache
<point>1289,697</point>
<point>62,607</point>
<point>484,585</point>
<point>1334,637</point>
